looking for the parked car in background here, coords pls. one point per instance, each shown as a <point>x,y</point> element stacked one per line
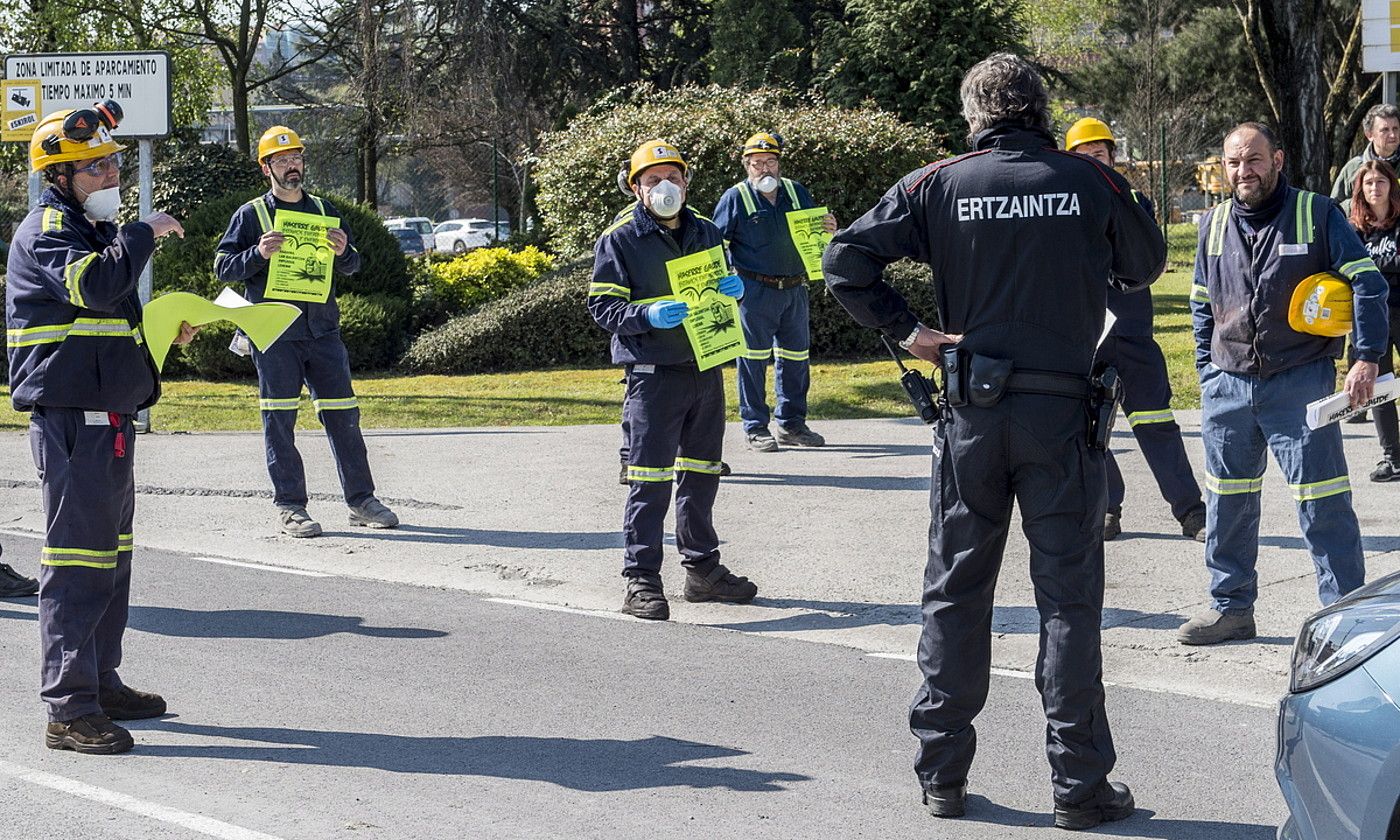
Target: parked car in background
<point>1338,761</point>
<point>410,241</point>
<point>460,235</point>
<point>421,224</point>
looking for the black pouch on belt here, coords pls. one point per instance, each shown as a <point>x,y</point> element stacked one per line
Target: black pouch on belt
<point>987,379</point>
<point>1106,392</point>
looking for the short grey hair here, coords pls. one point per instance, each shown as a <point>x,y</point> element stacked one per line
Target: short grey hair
<point>1383,111</point>
<point>1004,87</point>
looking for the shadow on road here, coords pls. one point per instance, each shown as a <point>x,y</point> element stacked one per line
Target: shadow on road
<point>845,615</point>
<point>576,540</point>
<point>839,482</point>
<point>261,624</point>
<point>1141,824</point>
<point>861,451</point>
<point>1368,543</point>
<point>587,764</point>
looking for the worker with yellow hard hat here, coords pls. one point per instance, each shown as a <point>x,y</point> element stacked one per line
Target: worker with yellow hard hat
<point>1147,394</point>
<point>673,411</point>
<point>80,367</point>
<point>1268,335</point>
<point>753,217</point>
<point>311,351</point>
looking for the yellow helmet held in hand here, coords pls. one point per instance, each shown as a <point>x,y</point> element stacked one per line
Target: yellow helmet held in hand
<point>1321,305</point>
<point>1088,130</point>
<point>652,153</point>
<point>279,138</point>
<point>74,134</point>
<point>764,142</point>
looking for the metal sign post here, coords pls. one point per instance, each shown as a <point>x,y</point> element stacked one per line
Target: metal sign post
<point>138,81</point>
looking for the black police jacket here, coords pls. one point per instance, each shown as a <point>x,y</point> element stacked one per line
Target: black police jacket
<point>1023,240</point>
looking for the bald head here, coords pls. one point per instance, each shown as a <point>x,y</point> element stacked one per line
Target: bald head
<point>1253,162</point>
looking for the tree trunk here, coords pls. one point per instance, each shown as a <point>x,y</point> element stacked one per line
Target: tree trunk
<point>239,104</point>
<point>1290,62</point>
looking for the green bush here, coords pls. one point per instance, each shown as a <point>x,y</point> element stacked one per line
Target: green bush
<point>483,274</point>
<point>373,328</point>
<point>208,356</point>
<point>192,176</point>
<point>547,323</point>
<point>847,157</point>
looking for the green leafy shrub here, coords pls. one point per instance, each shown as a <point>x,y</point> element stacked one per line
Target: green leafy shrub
<point>847,157</point>
<point>208,356</point>
<point>373,328</point>
<point>191,176</point>
<point>507,334</point>
<point>484,274</point>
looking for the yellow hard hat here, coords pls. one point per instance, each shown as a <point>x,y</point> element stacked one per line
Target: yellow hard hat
<point>1087,130</point>
<point>651,153</point>
<point>279,138</point>
<point>56,138</point>
<point>1321,305</point>
<point>764,142</point>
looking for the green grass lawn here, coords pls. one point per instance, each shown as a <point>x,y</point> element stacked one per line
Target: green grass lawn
<point>564,396</point>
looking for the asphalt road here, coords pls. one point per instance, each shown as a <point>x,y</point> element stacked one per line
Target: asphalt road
<point>331,707</point>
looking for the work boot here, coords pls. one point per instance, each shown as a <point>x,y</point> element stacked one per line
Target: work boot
<point>1112,525</point>
<point>373,514</point>
<point>799,435</point>
<point>1210,627</point>
<point>761,440</point>
<point>1193,525</point>
<point>89,734</point>
<point>946,800</point>
<point>1358,417</point>
<point>1386,470</point>
<point>1111,801</point>
<point>296,522</point>
<point>129,704</point>
<point>712,581</point>
<point>724,468</point>
<point>622,477</point>
<point>15,585</point>
<point>644,598</point>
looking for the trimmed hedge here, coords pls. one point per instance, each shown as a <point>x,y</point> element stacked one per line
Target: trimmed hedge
<point>847,157</point>
<point>374,328</point>
<point>453,286</point>
<point>507,334</point>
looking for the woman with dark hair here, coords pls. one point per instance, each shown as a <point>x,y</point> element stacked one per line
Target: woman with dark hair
<point>1375,213</point>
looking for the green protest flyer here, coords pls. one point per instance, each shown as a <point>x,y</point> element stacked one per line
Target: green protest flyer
<point>302,269</point>
<point>808,229</point>
<point>713,324</point>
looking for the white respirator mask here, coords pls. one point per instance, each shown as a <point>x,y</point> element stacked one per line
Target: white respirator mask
<point>665,199</point>
<point>766,184</point>
<point>102,205</point>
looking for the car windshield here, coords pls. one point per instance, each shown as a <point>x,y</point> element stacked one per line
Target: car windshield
<point>423,226</point>
<point>407,235</point>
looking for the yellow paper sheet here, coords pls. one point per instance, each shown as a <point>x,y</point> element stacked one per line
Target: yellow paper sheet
<point>713,325</point>
<point>302,270</point>
<point>263,323</point>
<point>808,229</point>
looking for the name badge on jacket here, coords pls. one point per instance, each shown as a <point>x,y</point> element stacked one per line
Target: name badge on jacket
<point>1292,250</point>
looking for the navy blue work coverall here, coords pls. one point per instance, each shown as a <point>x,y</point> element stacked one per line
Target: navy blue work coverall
<point>775,320</point>
<point>1147,401</point>
<point>673,412</point>
<point>310,351</point>
<point>80,367</point>
<point>1040,305</point>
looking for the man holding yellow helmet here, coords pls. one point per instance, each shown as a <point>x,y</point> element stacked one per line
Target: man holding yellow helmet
<point>80,367</point>
<point>1268,333</point>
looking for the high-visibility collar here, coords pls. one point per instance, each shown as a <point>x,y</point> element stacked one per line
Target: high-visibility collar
<point>747,194</point>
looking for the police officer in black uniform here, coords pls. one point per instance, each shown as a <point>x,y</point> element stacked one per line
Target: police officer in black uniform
<point>1022,239</point>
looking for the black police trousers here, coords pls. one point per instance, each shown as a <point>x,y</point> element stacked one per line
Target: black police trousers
<point>1031,449</point>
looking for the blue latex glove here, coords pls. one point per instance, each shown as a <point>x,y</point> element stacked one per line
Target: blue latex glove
<point>732,285</point>
<point>665,314</point>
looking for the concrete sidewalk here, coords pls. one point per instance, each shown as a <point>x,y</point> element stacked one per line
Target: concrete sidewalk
<point>835,537</point>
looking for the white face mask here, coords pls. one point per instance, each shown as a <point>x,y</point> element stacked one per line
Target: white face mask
<point>102,205</point>
<point>766,184</point>
<point>665,199</point>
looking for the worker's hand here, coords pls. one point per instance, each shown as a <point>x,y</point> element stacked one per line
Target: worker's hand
<point>187,333</point>
<point>928,342</point>
<point>1361,382</point>
<point>733,285</point>
<point>163,224</point>
<point>829,223</point>
<point>270,243</point>
<point>665,314</point>
<point>338,240</point>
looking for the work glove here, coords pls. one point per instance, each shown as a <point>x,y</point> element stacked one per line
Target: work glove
<point>665,314</point>
<point>732,286</point>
